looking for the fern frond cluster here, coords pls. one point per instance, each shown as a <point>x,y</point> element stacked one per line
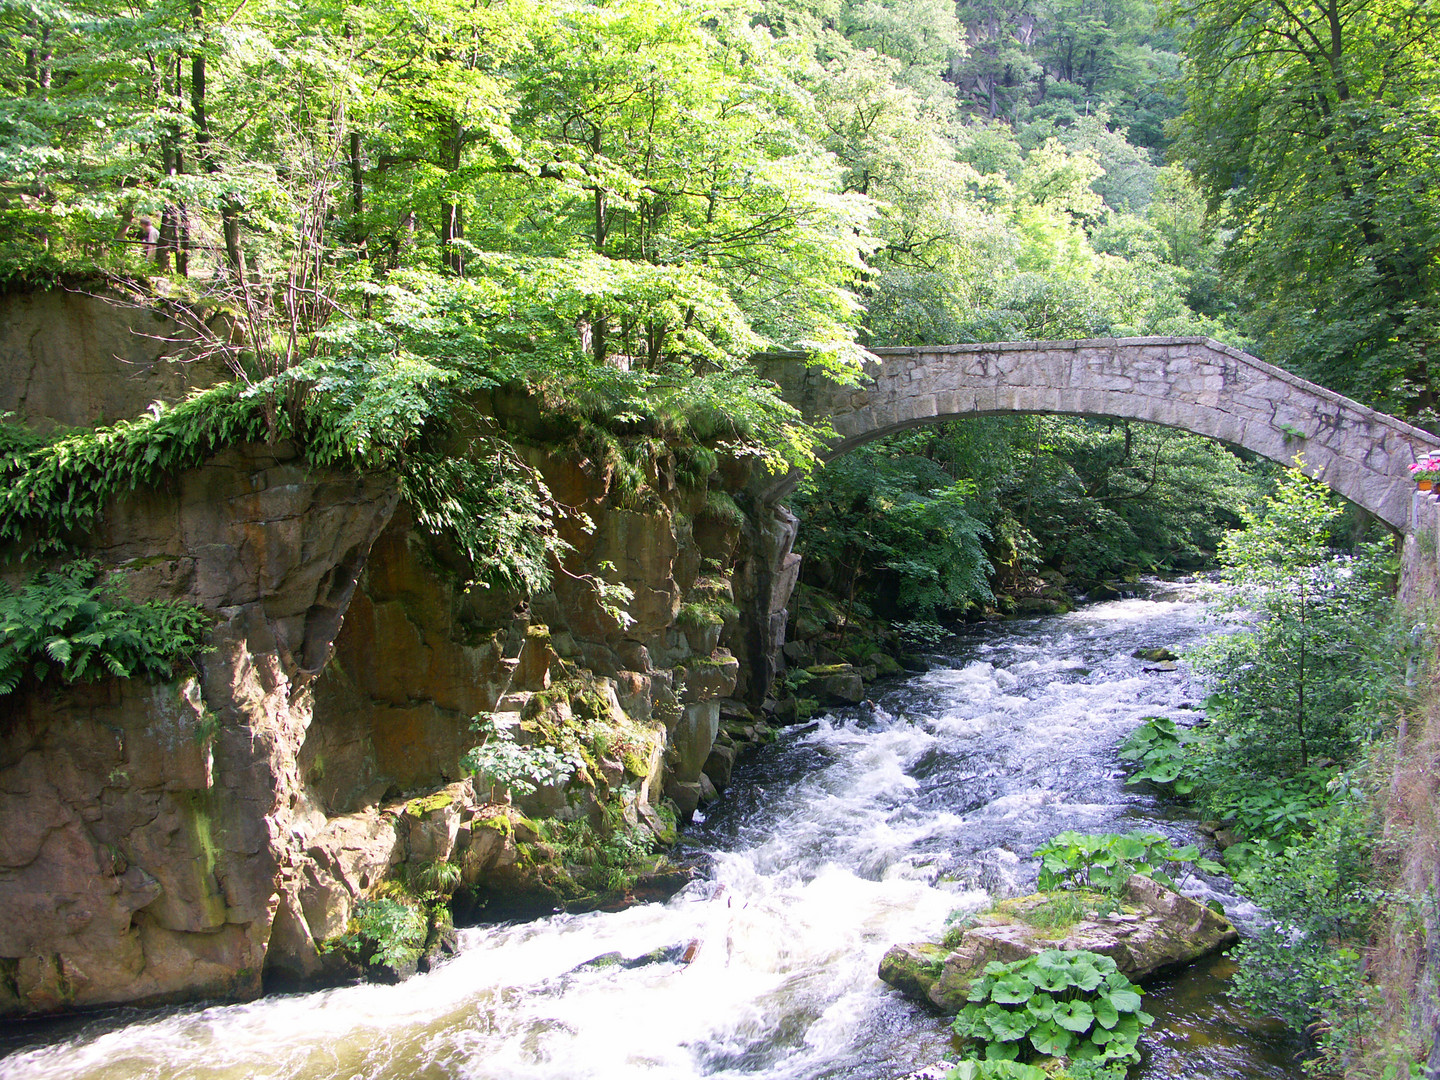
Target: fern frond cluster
<point>75,624</point>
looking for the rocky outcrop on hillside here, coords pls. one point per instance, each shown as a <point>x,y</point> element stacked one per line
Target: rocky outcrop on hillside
<point>192,839</point>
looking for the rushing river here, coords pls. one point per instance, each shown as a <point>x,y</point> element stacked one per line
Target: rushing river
<point>868,827</point>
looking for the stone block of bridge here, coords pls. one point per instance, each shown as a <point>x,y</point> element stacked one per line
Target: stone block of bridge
<point>1190,383</point>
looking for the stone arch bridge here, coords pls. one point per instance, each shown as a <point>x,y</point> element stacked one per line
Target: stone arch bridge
<point>1190,383</point>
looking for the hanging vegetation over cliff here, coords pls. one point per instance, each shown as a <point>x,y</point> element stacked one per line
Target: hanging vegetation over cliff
<point>373,215</point>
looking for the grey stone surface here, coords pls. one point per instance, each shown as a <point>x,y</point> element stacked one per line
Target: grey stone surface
<point>1195,384</point>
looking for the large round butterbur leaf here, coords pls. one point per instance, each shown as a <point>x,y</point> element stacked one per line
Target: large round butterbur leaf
<point>1120,1043</point>
<point>1106,1015</point>
<point>1164,773</point>
<point>980,988</point>
<point>1002,1051</point>
<point>1053,980</point>
<point>1012,989</point>
<point>1129,847</point>
<point>1086,976</point>
<point>1129,1027</point>
<point>1123,999</point>
<point>969,1023</point>
<point>1052,1039</point>
<point>1041,1006</point>
<point>1075,1016</point>
<point>1105,965</point>
<point>1005,1025</point>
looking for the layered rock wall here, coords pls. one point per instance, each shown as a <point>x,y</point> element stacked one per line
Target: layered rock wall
<point>147,825</point>
<point>190,839</point>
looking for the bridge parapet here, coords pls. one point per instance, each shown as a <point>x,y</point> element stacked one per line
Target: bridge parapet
<point>1191,383</point>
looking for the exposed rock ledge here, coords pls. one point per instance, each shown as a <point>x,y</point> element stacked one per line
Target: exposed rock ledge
<point>194,839</point>
<point>1155,930</point>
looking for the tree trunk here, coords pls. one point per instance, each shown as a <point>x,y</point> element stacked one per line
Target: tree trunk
<point>357,196</point>
<point>452,219</point>
<point>205,151</point>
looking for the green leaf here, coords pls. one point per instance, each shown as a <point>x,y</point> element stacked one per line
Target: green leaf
<point>1012,989</point>
<point>1075,1016</point>
<point>1123,999</point>
<point>1041,1006</point>
<point>1002,1051</point>
<point>1051,1039</point>
<point>1007,1026</point>
<point>1085,976</point>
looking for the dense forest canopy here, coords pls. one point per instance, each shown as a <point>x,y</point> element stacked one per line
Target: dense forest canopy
<point>618,203</point>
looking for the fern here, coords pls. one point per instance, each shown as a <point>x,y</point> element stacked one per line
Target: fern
<point>69,624</point>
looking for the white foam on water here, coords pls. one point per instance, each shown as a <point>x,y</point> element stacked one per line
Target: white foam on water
<point>885,826</point>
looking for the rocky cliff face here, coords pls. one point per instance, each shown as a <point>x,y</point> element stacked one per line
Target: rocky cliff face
<point>185,840</point>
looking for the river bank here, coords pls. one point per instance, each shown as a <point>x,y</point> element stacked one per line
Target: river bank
<point>870,825</point>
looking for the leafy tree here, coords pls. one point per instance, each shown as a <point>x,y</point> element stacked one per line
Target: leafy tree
<point>1313,131</point>
<point>940,516</point>
<point>902,525</point>
<point>1306,961</point>
<point>1285,692</point>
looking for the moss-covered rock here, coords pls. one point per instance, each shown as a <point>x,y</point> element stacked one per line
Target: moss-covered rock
<point>913,969</point>
<point>1154,930</point>
<point>886,665</point>
<point>836,684</point>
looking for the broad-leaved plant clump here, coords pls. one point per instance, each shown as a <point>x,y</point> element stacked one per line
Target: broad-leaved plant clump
<point>1158,747</point>
<point>386,931</point>
<point>1108,860</point>
<point>1066,1004</point>
<point>501,762</point>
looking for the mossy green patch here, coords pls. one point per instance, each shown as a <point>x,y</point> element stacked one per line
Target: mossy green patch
<point>720,507</point>
<point>1054,912</point>
<point>196,810</point>
<point>429,803</point>
<point>499,822</point>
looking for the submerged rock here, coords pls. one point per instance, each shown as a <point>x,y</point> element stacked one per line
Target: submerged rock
<point>1154,655</point>
<point>1155,929</point>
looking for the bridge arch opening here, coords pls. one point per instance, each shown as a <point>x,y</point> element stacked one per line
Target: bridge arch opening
<point>1190,384</point>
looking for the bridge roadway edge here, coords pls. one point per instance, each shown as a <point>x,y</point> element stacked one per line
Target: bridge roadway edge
<point>1358,451</point>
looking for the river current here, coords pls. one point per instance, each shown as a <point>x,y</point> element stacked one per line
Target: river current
<point>869,826</point>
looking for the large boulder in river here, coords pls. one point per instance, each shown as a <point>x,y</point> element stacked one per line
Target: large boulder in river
<point>836,684</point>
<point>1154,929</point>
